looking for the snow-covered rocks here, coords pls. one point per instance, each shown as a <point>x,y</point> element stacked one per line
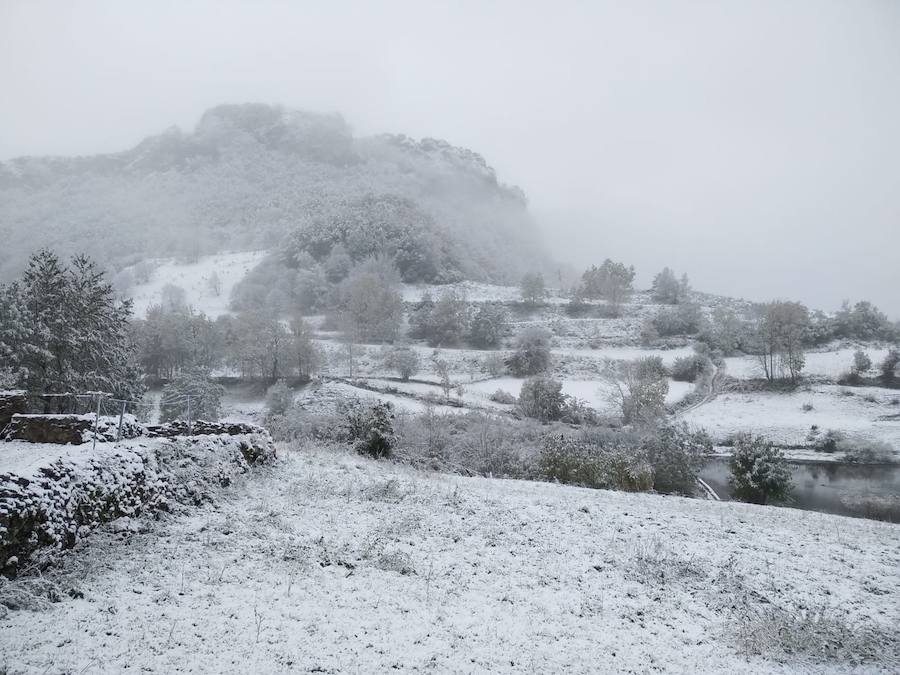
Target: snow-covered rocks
<point>52,505</point>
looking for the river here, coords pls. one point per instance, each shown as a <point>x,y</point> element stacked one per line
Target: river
<point>860,490</point>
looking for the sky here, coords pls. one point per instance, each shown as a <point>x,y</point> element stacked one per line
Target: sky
<point>753,145</point>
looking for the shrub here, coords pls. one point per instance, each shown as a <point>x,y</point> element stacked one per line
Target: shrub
<point>279,398</point>
<point>866,451</point>
<point>191,395</point>
<point>532,354</point>
<point>758,471</point>
<point>669,289</point>
<point>542,399</point>
<point>501,396</point>
<point>861,362</point>
<point>685,319</point>
<point>403,360</point>
<point>533,289</point>
<point>889,366</point>
<point>637,388</point>
<point>689,368</point>
<point>494,365</point>
<point>488,326</point>
<point>676,454</point>
<point>856,449</point>
<point>371,429</point>
<point>807,407</point>
<point>565,460</point>
<point>442,322</point>
<point>666,460</point>
<point>576,411</point>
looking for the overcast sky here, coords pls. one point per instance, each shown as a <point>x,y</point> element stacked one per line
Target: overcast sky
<point>754,145</point>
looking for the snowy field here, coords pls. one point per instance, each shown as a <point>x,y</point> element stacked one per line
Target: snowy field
<point>328,562</point>
<point>829,364</point>
<point>194,278</point>
<point>781,417</point>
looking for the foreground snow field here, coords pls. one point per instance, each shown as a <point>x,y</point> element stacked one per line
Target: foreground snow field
<point>328,562</point>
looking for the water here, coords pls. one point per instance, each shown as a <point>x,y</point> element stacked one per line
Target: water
<point>862,490</point>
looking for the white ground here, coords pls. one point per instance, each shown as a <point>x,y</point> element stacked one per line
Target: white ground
<point>194,279</point>
<point>781,418</point>
<point>831,364</point>
<point>331,563</point>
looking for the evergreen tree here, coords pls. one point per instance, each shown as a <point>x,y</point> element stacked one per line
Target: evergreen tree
<point>62,330</point>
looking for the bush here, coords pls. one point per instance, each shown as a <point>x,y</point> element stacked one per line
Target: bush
<point>403,360</point>
<point>890,366</point>
<point>861,362</point>
<point>565,460</point>
<point>542,399</point>
<point>488,326</point>
<point>637,389</point>
<point>371,430</point>
<point>685,319</point>
<point>689,368</point>
<point>759,472</point>
<point>676,455</point>
<point>666,460</point>
<point>191,395</point>
<point>501,396</point>
<point>856,449</point>
<point>576,411</point>
<point>494,365</point>
<point>532,355</point>
<point>533,289</point>
<point>442,322</point>
<point>279,398</point>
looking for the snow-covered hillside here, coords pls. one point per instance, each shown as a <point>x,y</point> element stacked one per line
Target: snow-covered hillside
<point>327,562</point>
<point>195,279</point>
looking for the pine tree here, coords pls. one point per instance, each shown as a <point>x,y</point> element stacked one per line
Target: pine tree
<point>62,330</point>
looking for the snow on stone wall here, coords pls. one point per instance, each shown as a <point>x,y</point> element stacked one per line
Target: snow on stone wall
<point>62,501</point>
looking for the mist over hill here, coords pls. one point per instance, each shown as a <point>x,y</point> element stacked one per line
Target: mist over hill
<point>256,176</point>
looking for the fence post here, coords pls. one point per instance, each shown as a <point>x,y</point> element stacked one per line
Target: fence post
<point>121,417</point>
<point>96,422</point>
<point>190,426</point>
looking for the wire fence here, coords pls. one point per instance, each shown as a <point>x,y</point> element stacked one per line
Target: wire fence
<point>105,405</point>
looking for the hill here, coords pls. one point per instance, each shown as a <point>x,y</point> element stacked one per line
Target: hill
<point>328,562</point>
<point>254,176</point>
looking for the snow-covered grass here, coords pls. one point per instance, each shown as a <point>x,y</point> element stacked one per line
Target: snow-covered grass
<point>831,364</point>
<point>194,278</point>
<point>475,292</point>
<point>782,418</point>
<point>328,562</point>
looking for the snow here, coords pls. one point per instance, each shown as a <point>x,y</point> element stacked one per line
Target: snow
<point>474,292</point>
<point>831,364</point>
<point>781,417</point>
<point>194,279</point>
<point>329,562</point>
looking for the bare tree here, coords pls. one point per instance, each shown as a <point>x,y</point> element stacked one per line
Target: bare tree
<point>780,329</point>
<point>637,389</point>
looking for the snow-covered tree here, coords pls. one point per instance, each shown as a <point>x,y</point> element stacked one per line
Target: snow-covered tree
<point>191,395</point>
<point>758,471</point>
<point>62,330</point>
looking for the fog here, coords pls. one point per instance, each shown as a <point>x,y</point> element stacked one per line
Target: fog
<point>754,146</point>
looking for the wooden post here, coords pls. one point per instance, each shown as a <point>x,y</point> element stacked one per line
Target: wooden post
<point>190,426</point>
<point>96,422</point>
<point>121,417</point>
